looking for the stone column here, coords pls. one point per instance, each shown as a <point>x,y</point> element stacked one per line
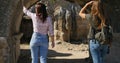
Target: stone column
<point>3,46</point>
<point>10,15</point>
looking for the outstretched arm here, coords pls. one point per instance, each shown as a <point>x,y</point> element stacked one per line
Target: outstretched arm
<point>82,11</point>
<point>26,11</point>
<point>51,31</point>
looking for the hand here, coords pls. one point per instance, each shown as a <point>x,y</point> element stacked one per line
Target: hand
<point>53,44</point>
<point>90,3</point>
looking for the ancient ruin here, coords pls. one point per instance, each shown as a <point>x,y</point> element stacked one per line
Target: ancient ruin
<point>67,24</point>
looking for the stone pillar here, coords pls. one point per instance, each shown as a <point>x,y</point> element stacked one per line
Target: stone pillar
<point>10,15</point>
<point>3,46</point>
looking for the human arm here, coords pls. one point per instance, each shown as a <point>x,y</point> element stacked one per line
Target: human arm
<point>26,11</point>
<point>82,11</point>
<point>51,32</point>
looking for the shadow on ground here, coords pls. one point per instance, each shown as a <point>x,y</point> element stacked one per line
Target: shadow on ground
<point>25,57</point>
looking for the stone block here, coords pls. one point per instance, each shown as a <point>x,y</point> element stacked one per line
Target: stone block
<point>3,42</point>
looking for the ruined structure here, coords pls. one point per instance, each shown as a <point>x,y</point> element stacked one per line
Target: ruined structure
<point>68,25</point>
<point>10,16</point>
<point>65,25</point>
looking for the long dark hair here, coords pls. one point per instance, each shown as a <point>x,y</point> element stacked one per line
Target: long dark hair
<point>41,11</point>
<point>99,11</point>
<point>102,9</point>
<point>95,13</point>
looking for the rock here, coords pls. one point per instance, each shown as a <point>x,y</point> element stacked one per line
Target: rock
<point>10,15</point>
<point>3,43</point>
<point>69,49</point>
<point>68,25</point>
<point>59,43</point>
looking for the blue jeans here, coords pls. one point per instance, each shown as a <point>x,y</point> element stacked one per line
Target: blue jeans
<point>98,51</point>
<point>39,47</point>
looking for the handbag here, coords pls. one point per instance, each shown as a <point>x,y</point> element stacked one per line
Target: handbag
<point>105,35</point>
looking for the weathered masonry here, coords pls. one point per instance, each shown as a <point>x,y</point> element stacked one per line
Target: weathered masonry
<point>10,19</point>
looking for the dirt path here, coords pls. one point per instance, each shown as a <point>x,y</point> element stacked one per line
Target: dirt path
<point>62,53</point>
<point>70,53</point>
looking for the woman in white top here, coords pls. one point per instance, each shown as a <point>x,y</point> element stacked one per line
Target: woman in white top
<point>42,25</point>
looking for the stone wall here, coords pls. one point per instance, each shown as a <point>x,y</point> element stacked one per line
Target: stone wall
<point>68,25</point>
<point>10,16</point>
<point>3,49</point>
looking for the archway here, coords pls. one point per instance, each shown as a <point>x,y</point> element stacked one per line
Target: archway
<point>11,15</point>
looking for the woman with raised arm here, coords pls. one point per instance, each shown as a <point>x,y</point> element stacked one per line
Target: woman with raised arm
<point>42,27</point>
<point>97,19</point>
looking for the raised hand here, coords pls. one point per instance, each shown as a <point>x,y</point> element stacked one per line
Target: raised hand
<point>90,3</point>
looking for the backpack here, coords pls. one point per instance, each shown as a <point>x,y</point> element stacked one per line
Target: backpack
<point>105,35</point>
